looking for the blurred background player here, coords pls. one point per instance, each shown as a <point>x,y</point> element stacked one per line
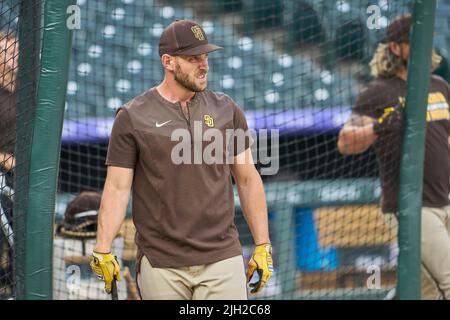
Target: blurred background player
<point>188,245</point>
<point>75,240</point>
<point>377,119</point>
<point>8,70</point>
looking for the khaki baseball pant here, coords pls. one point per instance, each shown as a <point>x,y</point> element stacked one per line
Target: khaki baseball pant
<point>435,251</point>
<point>222,280</point>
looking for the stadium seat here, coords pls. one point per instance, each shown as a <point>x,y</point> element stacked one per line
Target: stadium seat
<point>361,238</point>
<point>264,13</point>
<point>306,26</point>
<point>121,54</point>
<point>350,41</point>
<point>227,6</point>
<point>353,226</point>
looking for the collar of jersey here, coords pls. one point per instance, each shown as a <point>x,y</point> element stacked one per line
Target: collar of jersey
<point>193,102</point>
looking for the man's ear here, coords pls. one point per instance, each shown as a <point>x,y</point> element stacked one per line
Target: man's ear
<point>168,62</point>
<point>395,48</point>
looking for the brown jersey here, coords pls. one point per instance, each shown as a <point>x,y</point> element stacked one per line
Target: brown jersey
<point>183,213</point>
<point>388,92</point>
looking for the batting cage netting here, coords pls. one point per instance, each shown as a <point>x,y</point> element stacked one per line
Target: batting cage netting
<point>296,69</point>
<point>8,69</point>
<point>18,106</point>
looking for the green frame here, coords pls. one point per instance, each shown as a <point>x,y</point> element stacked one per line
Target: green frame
<point>411,172</point>
<point>38,160</point>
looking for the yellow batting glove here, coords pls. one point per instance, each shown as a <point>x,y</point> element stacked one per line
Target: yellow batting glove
<point>106,267</point>
<point>261,261</point>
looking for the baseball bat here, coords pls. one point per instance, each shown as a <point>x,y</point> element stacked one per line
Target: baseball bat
<point>131,285</point>
<point>114,295</point>
<point>77,259</point>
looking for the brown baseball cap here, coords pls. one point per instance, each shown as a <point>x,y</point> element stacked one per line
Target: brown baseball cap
<point>185,37</point>
<point>399,29</point>
<point>85,201</point>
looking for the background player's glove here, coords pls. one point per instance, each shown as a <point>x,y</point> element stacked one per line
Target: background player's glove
<point>261,261</point>
<point>106,267</point>
<point>391,120</point>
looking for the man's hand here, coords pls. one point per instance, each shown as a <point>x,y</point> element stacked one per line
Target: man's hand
<point>106,267</point>
<point>391,120</point>
<point>261,261</point>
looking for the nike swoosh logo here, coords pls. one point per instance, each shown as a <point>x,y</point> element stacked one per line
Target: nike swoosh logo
<point>159,125</point>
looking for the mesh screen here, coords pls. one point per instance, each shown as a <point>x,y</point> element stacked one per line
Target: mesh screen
<point>293,66</point>
<point>17,102</point>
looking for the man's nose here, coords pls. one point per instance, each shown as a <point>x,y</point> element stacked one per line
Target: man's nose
<point>204,63</point>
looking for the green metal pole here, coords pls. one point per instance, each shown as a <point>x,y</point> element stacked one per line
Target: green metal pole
<point>30,25</point>
<point>411,172</point>
<point>45,150</point>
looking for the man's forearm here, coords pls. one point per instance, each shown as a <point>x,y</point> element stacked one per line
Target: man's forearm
<point>353,139</point>
<point>254,207</point>
<point>111,215</point>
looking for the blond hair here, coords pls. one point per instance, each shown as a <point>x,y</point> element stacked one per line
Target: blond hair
<point>386,64</point>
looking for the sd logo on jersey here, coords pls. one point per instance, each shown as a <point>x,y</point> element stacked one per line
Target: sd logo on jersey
<point>209,121</point>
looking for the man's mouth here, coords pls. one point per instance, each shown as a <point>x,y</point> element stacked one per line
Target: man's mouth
<point>202,76</point>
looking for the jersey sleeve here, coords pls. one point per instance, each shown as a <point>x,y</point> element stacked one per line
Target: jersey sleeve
<point>122,148</point>
<point>447,97</point>
<point>367,102</point>
<point>446,90</point>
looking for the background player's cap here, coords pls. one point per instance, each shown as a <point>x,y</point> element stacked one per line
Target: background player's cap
<point>80,218</point>
<point>185,37</point>
<point>399,29</point>
<point>85,201</point>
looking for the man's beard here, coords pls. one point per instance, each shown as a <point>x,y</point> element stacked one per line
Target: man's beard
<point>183,80</point>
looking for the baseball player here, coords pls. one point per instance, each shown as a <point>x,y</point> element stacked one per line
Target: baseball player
<point>8,71</point>
<point>8,66</point>
<point>377,119</point>
<point>188,246</point>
